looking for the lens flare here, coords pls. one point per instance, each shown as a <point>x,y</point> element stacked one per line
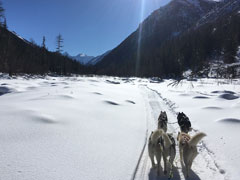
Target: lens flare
<point>140,37</point>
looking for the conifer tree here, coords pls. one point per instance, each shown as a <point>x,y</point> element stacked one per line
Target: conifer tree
<point>5,23</point>
<point>1,12</point>
<point>44,42</point>
<point>59,40</point>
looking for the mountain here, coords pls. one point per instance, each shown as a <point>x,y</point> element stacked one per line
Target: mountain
<point>17,55</point>
<point>174,38</point>
<point>82,58</point>
<point>97,59</point>
<point>223,8</point>
<point>87,60</point>
<point>213,43</point>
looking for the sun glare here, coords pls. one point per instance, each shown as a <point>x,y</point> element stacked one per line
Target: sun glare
<point>140,36</point>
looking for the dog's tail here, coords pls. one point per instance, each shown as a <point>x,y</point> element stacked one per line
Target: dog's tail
<point>196,138</point>
<point>167,140</point>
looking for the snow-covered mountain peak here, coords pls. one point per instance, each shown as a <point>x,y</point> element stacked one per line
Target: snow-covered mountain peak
<point>81,55</point>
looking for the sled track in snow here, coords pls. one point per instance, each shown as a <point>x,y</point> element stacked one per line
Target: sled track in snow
<point>143,170</point>
<point>143,152</point>
<point>155,103</point>
<point>209,155</point>
<point>140,157</point>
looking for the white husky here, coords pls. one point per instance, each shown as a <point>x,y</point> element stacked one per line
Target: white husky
<point>161,144</point>
<point>188,148</point>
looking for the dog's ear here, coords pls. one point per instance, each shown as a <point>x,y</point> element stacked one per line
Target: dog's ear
<point>179,115</point>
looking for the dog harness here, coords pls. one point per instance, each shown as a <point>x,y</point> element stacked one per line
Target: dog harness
<point>185,138</point>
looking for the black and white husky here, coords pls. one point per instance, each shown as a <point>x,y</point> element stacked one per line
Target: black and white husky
<point>161,144</point>
<point>184,122</point>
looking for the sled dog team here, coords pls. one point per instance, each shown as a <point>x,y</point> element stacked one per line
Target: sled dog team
<point>162,144</point>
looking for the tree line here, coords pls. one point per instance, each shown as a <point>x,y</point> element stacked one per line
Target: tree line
<point>22,56</point>
<point>18,56</point>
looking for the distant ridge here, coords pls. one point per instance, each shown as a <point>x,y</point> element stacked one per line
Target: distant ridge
<point>82,58</point>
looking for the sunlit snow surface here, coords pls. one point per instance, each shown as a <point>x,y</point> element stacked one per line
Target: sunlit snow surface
<point>95,127</point>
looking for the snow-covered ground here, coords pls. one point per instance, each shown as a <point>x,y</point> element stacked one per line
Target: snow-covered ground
<point>213,107</point>
<point>97,127</point>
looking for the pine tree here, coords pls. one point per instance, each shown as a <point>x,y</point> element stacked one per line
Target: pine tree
<point>1,12</point>
<point>5,23</point>
<point>44,42</point>
<point>59,43</point>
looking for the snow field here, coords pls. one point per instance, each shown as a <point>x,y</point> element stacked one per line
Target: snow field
<point>97,127</point>
<point>70,128</point>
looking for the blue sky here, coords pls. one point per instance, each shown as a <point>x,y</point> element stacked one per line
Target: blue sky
<point>87,26</point>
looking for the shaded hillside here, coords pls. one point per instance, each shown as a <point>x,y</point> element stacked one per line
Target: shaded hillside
<point>176,37</point>
<point>161,26</point>
<point>216,40</point>
<point>97,59</point>
<point>20,56</point>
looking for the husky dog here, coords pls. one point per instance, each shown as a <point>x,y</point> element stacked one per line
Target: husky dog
<point>184,123</point>
<point>162,121</point>
<point>188,149</point>
<point>161,144</point>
